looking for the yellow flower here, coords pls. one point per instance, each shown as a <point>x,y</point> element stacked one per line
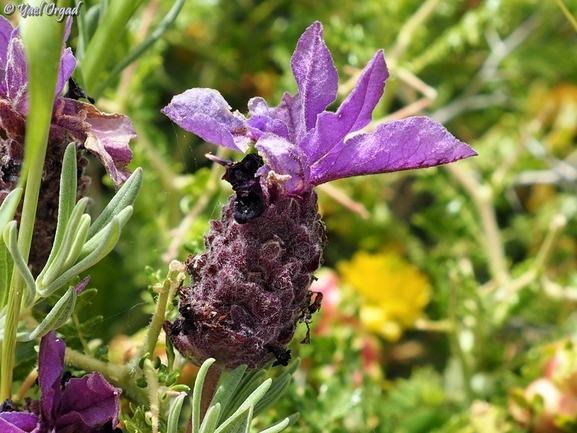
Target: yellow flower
<point>394,291</point>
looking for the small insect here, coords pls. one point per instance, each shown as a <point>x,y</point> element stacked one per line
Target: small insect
<point>306,315</point>
<point>249,202</point>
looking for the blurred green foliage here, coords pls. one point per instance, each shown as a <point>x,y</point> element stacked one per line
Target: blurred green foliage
<point>500,74</point>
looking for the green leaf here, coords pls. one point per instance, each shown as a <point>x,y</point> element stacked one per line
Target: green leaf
<point>111,235</point>
<point>239,423</point>
<point>9,206</point>
<point>279,386</point>
<point>70,238</point>
<point>57,316</point>
<point>281,425</point>
<point>197,393</point>
<point>6,265</point>
<point>66,199</point>
<point>277,389</point>
<point>227,389</point>
<point>162,27</point>
<point>174,414</point>
<point>11,241</point>
<point>93,243</point>
<point>210,420</point>
<point>125,197</point>
<point>99,49</point>
<point>249,383</point>
<point>248,404</point>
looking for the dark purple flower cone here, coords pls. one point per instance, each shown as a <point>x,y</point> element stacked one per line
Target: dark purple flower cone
<point>250,287</point>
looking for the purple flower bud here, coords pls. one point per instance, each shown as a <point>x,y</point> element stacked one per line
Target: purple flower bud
<point>250,287</point>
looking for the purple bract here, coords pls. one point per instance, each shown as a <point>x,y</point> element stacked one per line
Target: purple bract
<point>301,139</point>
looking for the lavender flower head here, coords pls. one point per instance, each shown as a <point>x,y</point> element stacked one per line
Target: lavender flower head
<point>250,287</point>
<point>104,135</point>
<point>89,404</point>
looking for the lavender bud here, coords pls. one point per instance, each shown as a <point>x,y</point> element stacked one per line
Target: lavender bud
<point>250,287</point>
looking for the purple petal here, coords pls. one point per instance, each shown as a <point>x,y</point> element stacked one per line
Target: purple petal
<point>50,367</point>
<point>108,139</point>
<point>265,119</point>
<point>16,76</point>
<point>354,113</point>
<point>67,65</point>
<point>5,33</point>
<point>87,402</point>
<point>416,142</point>
<point>316,76</point>
<point>289,111</point>
<point>284,157</point>
<point>19,422</point>
<point>207,114</point>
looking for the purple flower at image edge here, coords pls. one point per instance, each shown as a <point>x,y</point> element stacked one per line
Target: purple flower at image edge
<point>104,135</point>
<point>249,289</point>
<point>88,404</point>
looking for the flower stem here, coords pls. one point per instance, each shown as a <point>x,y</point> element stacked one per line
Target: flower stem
<point>118,375</point>
<point>172,282</point>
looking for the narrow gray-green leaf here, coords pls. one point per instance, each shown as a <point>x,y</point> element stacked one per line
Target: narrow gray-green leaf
<point>277,389</point>
<point>57,317</point>
<point>227,388</point>
<point>8,206</point>
<point>57,265</point>
<point>238,423</point>
<point>6,264</point>
<point>197,393</point>
<point>76,248</point>
<point>111,235</point>
<point>123,198</point>
<point>250,402</point>
<point>249,383</point>
<point>281,425</point>
<point>66,199</point>
<point>174,414</point>
<point>210,420</point>
<point>95,241</point>
<point>11,241</point>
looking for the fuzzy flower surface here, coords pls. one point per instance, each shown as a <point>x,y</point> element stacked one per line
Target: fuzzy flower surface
<point>89,404</point>
<point>250,288</point>
<point>394,292</point>
<point>104,135</point>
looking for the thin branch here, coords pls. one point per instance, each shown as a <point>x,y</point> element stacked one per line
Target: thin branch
<point>483,199</point>
<point>488,72</point>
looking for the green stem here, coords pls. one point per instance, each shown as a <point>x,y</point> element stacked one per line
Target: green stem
<point>456,344</point>
<point>117,375</point>
<point>153,388</point>
<point>172,282</point>
<point>98,51</point>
